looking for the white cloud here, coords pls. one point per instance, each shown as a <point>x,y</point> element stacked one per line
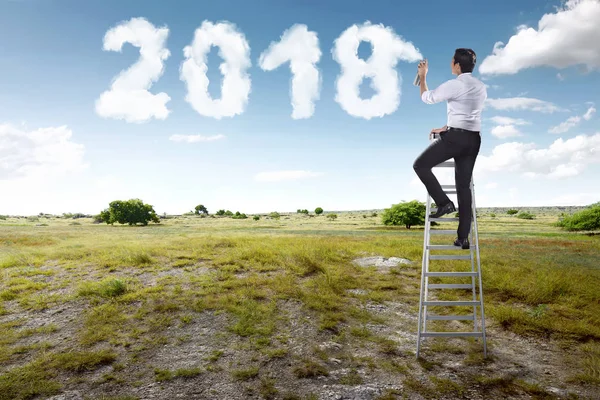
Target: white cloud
<point>195,138</point>
<point>276,176</point>
<point>235,51</point>
<point>575,199</point>
<point>560,160</point>
<point>41,153</point>
<point>567,38</point>
<point>572,122</point>
<point>506,127</point>
<point>509,121</point>
<point>505,131</point>
<point>300,47</point>
<point>495,87</point>
<point>388,48</point>
<point>522,103</point>
<point>128,97</point>
<point>588,115</point>
<point>491,185</point>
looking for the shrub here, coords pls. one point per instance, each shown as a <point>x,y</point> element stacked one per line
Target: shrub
<point>3,217</point>
<point>405,213</point>
<point>200,209</point>
<point>275,215</point>
<point>256,218</point>
<point>318,211</point>
<point>374,214</point>
<point>131,212</point>
<point>228,213</point>
<point>512,211</point>
<point>332,216</point>
<point>221,212</point>
<point>525,215</point>
<point>238,215</point>
<point>584,220</point>
<point>493,215</point>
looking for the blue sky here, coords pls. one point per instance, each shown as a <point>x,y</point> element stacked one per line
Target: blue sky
<point>58,154</point>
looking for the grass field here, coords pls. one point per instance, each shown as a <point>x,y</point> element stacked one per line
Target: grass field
<point>219,308</point>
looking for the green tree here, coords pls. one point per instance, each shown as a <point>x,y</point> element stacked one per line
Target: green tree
<point>201,209</point>
<point>256,217</point>
<point>318,210</point>
<point>406,213</point>
<point>587,219</point>
<point>131,212</point>
<point>512,211</point>
<point>221,212</point>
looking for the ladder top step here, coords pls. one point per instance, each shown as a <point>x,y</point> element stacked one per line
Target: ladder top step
<point>447,247</point>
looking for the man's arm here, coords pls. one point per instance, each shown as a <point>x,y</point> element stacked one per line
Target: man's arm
<point>444,92</point>
<point>423,85</point>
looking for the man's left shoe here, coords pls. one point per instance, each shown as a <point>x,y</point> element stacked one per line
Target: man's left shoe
<point>464,243</point>
<point>448,208</point>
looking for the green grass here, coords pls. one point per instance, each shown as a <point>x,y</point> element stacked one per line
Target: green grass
<point>538,280</point>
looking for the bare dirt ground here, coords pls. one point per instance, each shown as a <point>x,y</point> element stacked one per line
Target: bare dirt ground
<point>353,366</point>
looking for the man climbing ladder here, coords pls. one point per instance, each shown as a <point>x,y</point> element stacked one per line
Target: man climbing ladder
<point>459,139</point>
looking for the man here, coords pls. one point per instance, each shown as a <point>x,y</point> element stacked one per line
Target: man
<point>459,139</point>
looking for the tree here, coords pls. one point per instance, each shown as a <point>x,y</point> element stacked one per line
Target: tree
<point>131,212</point>
<point>318,210</point>
<point>405,213</point>
<point>512,212</point>
<point>332,216</point>
<point>221,212</point>
<point>201,209</point>
<point>587,219</point>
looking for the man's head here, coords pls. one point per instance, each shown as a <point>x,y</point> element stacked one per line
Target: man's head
<point>463,61</point>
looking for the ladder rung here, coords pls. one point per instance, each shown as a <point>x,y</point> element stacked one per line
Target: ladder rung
<point>443,219</point>
<point>443,231</point>
<point>450,191</point>
<point>451,334</point>
<point>447,247</point>
<point>451,303</point>
<point>445,164</point>
<point>450,286</point>
<point>448,186</point>
<point>441,274</point>
<point>450,317</point>
<point>449,257</point>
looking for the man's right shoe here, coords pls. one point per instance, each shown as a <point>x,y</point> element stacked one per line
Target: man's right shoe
<point>464,243</point>
<point>447,209</point>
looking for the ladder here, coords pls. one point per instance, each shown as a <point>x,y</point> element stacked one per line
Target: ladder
<point>474,274</point>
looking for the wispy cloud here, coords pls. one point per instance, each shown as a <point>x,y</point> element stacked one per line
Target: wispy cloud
<point>566,38</point>
<point>42,152</point>
<point>572,122</point>
<point>522,103</point>
<point>195,138</point>
<point>277,176</point>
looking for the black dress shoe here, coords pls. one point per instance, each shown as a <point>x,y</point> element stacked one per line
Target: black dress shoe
<point>464,243</point>
<point>448,208</point>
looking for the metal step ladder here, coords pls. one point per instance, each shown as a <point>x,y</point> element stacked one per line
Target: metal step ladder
<point>475,274</point>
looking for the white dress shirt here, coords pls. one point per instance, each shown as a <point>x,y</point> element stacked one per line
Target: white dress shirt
<point>465,95</point>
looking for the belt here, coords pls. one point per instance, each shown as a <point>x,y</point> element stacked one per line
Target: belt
<point>462,130</point>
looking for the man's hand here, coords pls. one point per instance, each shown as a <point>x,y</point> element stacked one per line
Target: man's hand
<point>437,130</point>
<point>422,69</point>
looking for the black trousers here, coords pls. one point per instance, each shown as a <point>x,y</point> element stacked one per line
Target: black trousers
<point>463,146</point>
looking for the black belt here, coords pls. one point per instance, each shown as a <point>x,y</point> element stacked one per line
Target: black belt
<point>462,130</point>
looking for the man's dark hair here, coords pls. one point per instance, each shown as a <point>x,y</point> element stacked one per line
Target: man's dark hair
<point>466,58</point>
